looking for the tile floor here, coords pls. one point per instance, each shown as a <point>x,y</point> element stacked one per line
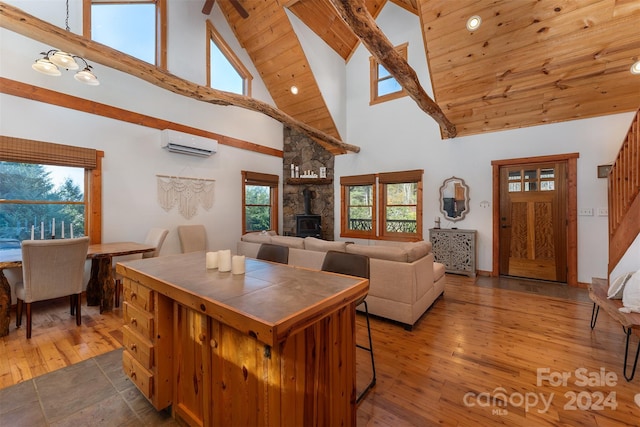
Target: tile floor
<point>95,392</point>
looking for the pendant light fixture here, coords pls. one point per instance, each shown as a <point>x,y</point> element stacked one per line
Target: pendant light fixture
<point>54,59</point>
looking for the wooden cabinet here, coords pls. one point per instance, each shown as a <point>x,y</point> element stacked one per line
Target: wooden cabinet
<point>273,347</point>
<point>147,340</point>
<point>456,249</point>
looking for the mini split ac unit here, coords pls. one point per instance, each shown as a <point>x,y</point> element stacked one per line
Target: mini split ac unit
<point>184,143</point>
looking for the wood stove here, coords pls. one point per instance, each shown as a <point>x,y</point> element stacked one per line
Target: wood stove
<point>308,224</point>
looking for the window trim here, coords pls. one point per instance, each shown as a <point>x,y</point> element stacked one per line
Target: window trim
<point>379,182</point>
<point>400,178</point>
<point>30,151</point>
<point>215,37</point>
<point>265,179</point>
<point>374,80</point>
<point>352,181</point>
<point>161,25</point>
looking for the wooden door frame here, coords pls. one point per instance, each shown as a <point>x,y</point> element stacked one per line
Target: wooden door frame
<point>572,208</point>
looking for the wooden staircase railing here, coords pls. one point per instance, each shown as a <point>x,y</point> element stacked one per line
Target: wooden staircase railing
<point>624,190</point>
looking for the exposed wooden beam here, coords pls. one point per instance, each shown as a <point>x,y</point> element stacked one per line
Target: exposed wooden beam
<point>208,5</point>
<point>16,20</point>
<point>356,15</point>
<point>35,93</point>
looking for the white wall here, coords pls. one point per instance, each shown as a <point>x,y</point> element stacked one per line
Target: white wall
<point>397,135</point>
<point>133,155</point>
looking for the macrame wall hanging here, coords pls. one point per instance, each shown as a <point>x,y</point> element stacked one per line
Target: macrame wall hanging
<point>186,193</point>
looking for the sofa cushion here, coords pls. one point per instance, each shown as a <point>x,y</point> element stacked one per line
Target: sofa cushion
<point>319,245</point>
<point>417,250</point>
<point>290,241</point>
<point>257,237</point>
<point>381,252</point>
<point>438,271</point>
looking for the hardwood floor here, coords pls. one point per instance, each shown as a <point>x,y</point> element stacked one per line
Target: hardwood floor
<point>472,359</point>
<point>56,341</point>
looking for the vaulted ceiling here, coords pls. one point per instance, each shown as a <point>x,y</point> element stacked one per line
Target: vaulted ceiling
<point>531,61</point>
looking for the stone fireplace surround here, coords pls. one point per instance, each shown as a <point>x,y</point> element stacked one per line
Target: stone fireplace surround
<point>307,155</point>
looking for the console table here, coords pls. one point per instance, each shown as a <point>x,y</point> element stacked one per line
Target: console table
<point>455,248</point>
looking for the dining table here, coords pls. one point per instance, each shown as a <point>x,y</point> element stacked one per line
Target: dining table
<point>101,285</point>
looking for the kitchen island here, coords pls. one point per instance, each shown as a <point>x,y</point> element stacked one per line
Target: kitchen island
<point>274,346</point>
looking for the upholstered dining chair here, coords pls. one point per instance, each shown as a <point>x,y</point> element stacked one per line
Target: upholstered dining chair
<point>273,253</point>
<point>354,265</point>
<point>51,269</point>
<point>193,238</point>
<point>155,237</point>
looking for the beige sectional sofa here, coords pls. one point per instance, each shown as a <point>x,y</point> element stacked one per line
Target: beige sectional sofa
<point>404,279</point>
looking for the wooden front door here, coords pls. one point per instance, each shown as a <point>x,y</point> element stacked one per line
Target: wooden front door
<point>533,221</point>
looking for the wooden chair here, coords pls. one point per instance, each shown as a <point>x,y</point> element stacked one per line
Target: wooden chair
<point>273,253</point>
<point>193,238</point>
<point>51,269</point>
<point>155,237</point>
<point>354,265</point>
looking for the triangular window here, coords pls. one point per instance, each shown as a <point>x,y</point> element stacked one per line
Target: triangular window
<point>224,69</point>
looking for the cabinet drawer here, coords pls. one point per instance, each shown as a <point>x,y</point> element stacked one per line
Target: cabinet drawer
<point>139,320</point>
<point>138,295</point>
<point>140,348</point>
<point>142,378</point>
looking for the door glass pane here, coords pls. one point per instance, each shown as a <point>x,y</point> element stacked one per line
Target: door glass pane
<point>547,179</point>
<point>547,186</point>
<point>515,187</point>
<point>531,180</point>
<point>514,181</point>
<point>547,173</point>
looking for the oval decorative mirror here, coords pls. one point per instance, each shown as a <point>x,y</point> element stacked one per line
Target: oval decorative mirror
<point>454,199</point>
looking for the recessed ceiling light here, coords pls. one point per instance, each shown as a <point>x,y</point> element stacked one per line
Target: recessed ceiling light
<point>473,23</point>
<point>294,90</point>
<point>635,68</point>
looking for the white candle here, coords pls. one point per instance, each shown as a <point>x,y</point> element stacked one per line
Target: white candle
<point>71,230</point>
<point>224,260</point>
<point>237,264</point>
<point>42,230</point>
<point>53,227</point>
<point>32,231</point>
<point>62,230</point>
<point>212,260</point>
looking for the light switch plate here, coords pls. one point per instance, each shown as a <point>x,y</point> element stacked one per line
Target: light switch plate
<point>585,211</point>
<point>603,211</point>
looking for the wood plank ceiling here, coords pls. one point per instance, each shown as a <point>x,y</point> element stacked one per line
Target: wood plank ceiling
<point>531,62</point>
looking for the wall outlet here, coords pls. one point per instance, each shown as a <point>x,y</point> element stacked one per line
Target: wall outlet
<point>585,211</point>
<point>603,211</point>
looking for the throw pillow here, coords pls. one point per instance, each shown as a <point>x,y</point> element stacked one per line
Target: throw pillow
<point>617,286</point>
<point>631,294</point>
